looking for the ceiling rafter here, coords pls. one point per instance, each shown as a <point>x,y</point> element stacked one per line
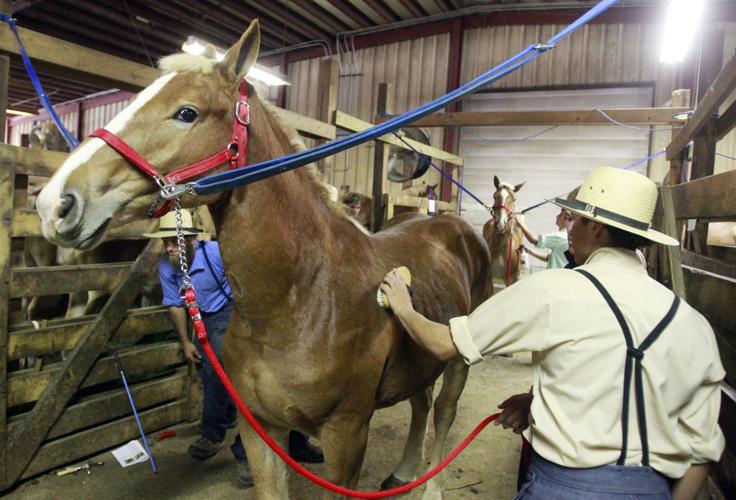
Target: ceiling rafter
<point>286,17</point>
<point>347,9</point>
<point>414,8</point>
<point>383,10</point>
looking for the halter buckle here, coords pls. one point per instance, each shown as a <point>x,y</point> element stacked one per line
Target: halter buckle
<point>242,112</point>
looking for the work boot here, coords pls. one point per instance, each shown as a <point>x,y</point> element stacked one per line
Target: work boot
<point>204,448</point>
<point>245,478</point>
<point>307,452</point>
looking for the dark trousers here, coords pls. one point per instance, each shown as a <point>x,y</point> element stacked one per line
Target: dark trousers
<point>218,410</point>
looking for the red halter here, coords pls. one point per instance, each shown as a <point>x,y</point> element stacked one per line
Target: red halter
<point>235,154</point>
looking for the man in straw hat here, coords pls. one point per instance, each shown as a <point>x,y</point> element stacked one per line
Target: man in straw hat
<point>626,376</point>
<point>214,297</point>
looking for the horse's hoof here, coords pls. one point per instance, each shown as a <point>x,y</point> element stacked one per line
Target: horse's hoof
<point>392,482</point>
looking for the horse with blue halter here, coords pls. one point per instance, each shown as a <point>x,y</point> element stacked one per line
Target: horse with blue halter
<point>307,346</point>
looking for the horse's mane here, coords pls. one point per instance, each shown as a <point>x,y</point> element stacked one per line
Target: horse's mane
<point>183,62</point>
<point>296,144</point>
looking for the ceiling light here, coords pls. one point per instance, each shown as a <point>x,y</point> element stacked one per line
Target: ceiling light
<point>681,25</point>
<point>17,113</point>
<point>685,115</point>
<point>197,46</point>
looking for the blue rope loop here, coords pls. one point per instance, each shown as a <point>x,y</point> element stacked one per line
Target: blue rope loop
<point>238,177</point>
<point>45,102</point>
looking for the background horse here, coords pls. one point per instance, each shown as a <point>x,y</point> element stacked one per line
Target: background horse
<point>503,236</point>
<point>307,346</point>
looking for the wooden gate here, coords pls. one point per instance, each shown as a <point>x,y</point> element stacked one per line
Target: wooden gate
<point>704,273</point>
<point>54,414</point>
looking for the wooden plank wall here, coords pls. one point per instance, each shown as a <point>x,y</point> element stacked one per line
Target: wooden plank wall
<point>97,415</point>
<point>709,270</point>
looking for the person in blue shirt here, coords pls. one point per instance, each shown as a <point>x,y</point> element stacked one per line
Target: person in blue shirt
<point>215,300</point>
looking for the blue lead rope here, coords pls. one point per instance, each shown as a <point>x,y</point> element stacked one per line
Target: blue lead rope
<point>45,102</point>
<point>252,173</point>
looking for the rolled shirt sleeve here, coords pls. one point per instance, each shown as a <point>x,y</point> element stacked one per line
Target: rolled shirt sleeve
<point>699,418</point>
<point>514,320</point>
<point>552,240</point>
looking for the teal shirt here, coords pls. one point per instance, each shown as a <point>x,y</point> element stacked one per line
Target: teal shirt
<point>557,243</point>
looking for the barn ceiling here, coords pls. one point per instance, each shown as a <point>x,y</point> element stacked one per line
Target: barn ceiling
<point>145,30</point>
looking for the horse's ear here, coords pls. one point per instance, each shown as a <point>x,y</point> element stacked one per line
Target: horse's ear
<point>496,182</point>
<point>519,186</point>
<point>241,56</point>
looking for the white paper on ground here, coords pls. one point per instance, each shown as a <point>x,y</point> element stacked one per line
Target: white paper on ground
<point>131,453</point>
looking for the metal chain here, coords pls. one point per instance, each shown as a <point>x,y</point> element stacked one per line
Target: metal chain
<point>182,245</point>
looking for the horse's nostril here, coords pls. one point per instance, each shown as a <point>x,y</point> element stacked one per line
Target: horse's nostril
<point>67,203</point>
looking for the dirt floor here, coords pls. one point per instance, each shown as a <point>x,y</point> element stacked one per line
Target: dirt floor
<point>485,470</point>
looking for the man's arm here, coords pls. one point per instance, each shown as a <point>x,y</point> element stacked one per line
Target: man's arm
<point>689,485</point>
<point>530,235</point>
<point>179,318</point>
<point>434,337</point>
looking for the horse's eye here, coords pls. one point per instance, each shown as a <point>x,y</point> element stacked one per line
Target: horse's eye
<point>186,115</point>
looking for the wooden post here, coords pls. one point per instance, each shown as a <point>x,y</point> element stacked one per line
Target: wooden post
<point>4,78</point>
<point>673,252</point>
<point>680,98</point>
<point>327,82</point>
<point>452,134</point>
<point>384,106</point>
<point>26,441</point>
<point>7,171</point>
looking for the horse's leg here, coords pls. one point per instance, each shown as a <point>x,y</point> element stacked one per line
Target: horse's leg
<point>269,471</point>
<point>414,448</point>
<point>344,440</point>
<point>445,408</point>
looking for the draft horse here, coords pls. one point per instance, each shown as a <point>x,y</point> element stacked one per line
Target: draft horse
<point>307,346</point>
<point>503,236</point>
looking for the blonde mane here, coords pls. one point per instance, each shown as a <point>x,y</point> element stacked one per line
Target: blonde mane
<point>187,62</point>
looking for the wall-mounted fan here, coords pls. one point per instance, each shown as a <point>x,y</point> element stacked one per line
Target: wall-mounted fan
<point>404,164</point>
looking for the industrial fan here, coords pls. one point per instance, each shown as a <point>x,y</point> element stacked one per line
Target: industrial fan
<point>404,164</point>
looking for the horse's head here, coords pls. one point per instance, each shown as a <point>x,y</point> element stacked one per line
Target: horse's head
<point>504,203</point>
<point>182,117</point>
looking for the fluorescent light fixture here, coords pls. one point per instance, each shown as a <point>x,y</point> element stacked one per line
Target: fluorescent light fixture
<point>681,25</point>
<point>196,46</point>
<point>18,113</point>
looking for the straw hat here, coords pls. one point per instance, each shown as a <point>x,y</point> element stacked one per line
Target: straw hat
<point>167,226</point>
<point>618,198</point>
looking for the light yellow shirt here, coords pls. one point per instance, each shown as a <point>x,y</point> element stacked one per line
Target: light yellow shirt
<point>578,354</point>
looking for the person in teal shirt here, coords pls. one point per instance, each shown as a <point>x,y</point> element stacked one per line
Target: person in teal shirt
<point>555,242</point>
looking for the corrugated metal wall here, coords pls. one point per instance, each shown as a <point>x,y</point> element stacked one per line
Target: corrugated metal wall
<point>416,68</point>
<point>99,116</point>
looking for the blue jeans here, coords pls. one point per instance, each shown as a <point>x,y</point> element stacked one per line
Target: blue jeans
<point>218,410</point>
<point>549,481</point>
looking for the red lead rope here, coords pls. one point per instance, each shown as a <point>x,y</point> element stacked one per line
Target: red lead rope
<point>193,309</point>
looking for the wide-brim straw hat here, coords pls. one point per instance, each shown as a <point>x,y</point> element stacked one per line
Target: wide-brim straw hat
<point>618,198</point>
<point>167,226</point>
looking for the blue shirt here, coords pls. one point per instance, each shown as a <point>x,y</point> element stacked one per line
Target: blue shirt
<point>205,280</point>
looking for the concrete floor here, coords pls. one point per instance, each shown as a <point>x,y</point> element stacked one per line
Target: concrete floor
<point>485,470</point>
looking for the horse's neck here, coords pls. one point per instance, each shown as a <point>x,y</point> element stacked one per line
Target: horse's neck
<point>273,236</point>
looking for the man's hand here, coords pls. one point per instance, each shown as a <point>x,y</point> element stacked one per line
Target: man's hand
<point>190,352</point>
<point>515,412</point>
<point>394,287</point>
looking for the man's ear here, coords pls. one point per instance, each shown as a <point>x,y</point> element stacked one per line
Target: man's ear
<point>243,54</point>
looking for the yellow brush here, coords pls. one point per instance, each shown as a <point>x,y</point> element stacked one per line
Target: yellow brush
<point>406,275</point>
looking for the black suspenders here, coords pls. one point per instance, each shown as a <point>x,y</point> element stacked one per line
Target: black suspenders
<point>212,271</point>
<point>635,355</point>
